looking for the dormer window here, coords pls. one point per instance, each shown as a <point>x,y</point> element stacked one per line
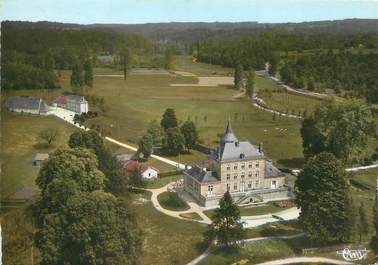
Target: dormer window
<point>242,156</point>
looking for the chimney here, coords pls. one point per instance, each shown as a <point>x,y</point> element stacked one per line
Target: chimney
<point>260,147</point>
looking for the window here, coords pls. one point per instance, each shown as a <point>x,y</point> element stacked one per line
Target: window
<point>242,176</point>
<point>249,185</point>
<point>257,174</point>
<point>228,187</point>
<point>236,176</point>
<point>250,166</point>
<point>257,163</point>
<point>228,176</point>
<point>250,174</point>
<point>236,167</point>
<point>235,186</point>
<point>210,189</point>
<point>228,167</point>
<point>257,183</point>
<point>242,166</point>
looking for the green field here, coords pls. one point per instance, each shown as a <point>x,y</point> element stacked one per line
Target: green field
<point>132,104</point>
<point>167,240</point>
<point>258,210</point>
<point>20,144</point>
<point>171,201</point>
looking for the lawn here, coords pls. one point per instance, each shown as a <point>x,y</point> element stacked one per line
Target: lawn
<point>277,99</point>
<point>167,240</point>
<point>188,64</point>
<point>161,181</point>
<point>132,104</point>
<point>19,145</point>
<point>171,201</point>
<point>257,210</point>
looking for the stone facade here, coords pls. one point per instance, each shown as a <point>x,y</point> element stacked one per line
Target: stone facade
<point>240,168</point>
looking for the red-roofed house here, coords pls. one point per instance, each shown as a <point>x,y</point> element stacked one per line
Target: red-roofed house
<point>145,171</point>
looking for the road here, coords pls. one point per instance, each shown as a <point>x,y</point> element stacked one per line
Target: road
<point>305,260</point>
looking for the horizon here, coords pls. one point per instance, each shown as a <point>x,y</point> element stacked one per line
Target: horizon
<point>188,22</point>
<point>186,11</point>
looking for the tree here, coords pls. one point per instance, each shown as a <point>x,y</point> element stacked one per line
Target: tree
<point>95,228</point>
<point>88,73</point>
<point>145,145</point>
<point>226,226</point>
<point>49,135</point>
<point>169,119</point>
<point>168,58</point>
<point>273,65</point>
<point>66,173</point>
<point>251,83</point>
<point>125,59</point>
<point>189,131</point>
<point>156,133</point>
<point>364,225</point>
<point>77,79</point>
<point>174,141</point>
<point>238,77</point>
<point>107,163</point>
<point>322,195</point>
<point>341,128</point>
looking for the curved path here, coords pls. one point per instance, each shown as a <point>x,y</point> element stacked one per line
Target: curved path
<point>295,260</point>
<point>194,207</point>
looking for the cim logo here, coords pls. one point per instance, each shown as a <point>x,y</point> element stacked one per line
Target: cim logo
<point>353,254</point>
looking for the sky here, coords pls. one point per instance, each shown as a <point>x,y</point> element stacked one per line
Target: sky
<point>144,11</point>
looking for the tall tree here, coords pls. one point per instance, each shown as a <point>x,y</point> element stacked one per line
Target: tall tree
<point>273,64</point>
<point>95,229</point>
<point>88,73</point>
<point>226,226</point>
<point>174,141</point>
<point>251,82</point>
<point>340,127</point>
<point>364,225</point>
<point>239,76</point>
<point>77,79</point>
<point>169,119</point>
<point>66,173</point>
<point>125,59</point>
<point>189,131</point>
<point>156,132</point>
<point>322,194</point>
<point>145,145</point>
<point>107,163</point>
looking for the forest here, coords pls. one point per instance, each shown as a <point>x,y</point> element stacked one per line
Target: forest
<point>30,55</point>
<point>342,62</point>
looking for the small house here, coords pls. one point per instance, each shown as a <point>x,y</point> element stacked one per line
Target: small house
<point>39,158</point>
<point>146,172</point>
<point>75,103</point>
<point>29,105</point>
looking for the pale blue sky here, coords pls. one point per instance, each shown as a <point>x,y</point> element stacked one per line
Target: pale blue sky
<point>142,11</point>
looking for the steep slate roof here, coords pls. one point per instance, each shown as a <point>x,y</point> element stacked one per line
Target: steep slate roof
<point>271,171</point>
<point>202,175</point>
<point>30,103</point>
<point>231,149</point>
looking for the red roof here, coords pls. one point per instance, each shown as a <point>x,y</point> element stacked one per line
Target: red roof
<point>61,100</point>
<point>133,165</point>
